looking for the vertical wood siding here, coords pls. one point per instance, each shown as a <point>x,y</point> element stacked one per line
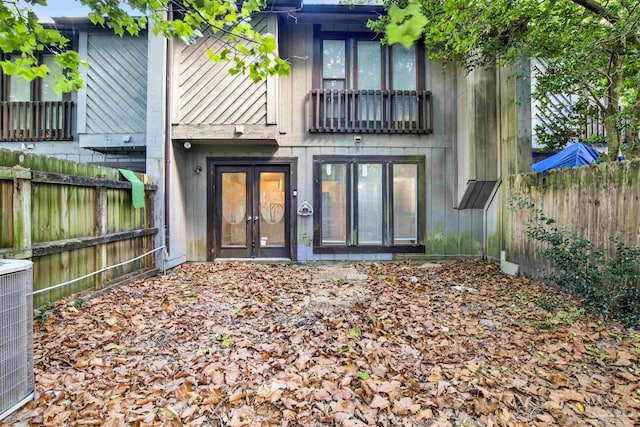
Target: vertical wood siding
<point>62,212</point>
<point>208,94</point>
<point>116,84</point>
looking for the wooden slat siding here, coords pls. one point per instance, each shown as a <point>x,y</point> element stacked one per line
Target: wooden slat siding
<point>208,94</point>
<point>116,84</point>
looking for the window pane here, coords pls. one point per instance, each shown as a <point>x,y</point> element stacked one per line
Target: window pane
<point>272,232</point>
<point>19,88</point>
<point>369,78</point>
<point>370,204</point>
<point>405,204</point>
<point>333,59</point>
<point>334,204</point>
<point>403,67</point>
<point>48,94</point>
<point>369,65</point>
<point>332,84</point>
<point>234,209</point>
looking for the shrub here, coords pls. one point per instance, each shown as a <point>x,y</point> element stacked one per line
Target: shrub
<point>607,286</point>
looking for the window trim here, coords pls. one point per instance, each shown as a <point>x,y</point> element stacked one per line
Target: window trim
<point>352,201</point>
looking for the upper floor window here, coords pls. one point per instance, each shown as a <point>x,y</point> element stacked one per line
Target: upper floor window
<point>17,89</point>
<point>362,86</point>
<point>361,63</point>
<point>33,110</point>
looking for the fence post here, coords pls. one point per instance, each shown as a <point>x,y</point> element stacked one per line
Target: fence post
<point>101,230</point>
<point>22,214</point>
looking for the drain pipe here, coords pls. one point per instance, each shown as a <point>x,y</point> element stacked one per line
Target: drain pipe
<point>167,139</point>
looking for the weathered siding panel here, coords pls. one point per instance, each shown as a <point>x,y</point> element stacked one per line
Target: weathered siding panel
<point>448,232</point>
<point>207,94</point>
<point>116,84</point>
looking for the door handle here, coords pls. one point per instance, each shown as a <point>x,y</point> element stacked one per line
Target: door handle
<point>249,219</point>
<point>256,218</point>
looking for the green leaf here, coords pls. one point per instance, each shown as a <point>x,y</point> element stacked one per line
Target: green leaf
<point>363,375</point>
<point>355,332</point>
<point>112,346</point>
<point>213,56</point>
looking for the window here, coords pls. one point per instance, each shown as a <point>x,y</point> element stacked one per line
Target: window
<point>32,110</point>
<point>358,62</point>
<point>361,86</point>
<point>17,89</point>
<point>368,204</point>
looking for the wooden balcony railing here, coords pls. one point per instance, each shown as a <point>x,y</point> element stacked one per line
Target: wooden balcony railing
<point>36,121</point>
<point>370,111</point>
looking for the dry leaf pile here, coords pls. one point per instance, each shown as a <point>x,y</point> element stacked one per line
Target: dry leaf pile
<point>253,344</point>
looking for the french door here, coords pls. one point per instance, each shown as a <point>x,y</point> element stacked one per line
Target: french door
<point>252,211</point>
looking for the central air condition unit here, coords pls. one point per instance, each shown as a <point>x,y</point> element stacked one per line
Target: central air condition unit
<point>16,335</point>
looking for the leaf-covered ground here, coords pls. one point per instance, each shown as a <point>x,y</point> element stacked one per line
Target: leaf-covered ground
<point>252,344</point>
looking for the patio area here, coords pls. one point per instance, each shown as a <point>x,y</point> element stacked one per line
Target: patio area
<point>388,344</point>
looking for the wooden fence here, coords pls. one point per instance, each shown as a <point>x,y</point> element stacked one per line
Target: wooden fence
<point>596,202</point>
<point>72,219</point>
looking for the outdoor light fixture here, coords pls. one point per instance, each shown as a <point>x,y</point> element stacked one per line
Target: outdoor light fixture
<point>187,145</point>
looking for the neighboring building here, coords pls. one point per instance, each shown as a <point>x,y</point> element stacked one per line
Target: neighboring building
<point>104,123</point>
<point>363,152</point>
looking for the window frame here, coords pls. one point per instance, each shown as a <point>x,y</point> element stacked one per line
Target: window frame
<point>351,59</point>
<point>35,90</point>
<point>351,219</point>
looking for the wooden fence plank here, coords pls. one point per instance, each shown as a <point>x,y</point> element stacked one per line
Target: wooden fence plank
<point>595,201</point>
<point>71,219</point>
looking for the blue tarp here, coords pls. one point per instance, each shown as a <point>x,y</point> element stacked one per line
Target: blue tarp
<point>577,154</point>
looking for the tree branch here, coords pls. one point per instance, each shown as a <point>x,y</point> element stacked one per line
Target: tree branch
<point>601,11</point>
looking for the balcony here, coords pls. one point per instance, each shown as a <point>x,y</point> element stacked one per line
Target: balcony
<point>36,121</point>
<point>370,111</point>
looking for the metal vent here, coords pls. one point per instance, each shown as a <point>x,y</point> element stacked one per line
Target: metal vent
<point>16,335</point>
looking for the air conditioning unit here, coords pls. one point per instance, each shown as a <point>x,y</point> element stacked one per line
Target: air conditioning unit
<point>16,335</point>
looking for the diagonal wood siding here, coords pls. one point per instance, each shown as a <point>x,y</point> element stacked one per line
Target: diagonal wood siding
<point>208,94</point>
<point>116,84</point>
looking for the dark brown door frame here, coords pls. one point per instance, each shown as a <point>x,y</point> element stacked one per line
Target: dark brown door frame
<point>213,162</point>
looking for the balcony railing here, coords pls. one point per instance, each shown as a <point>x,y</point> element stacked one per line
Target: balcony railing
<point>370,111</point>
<point>36,121</point>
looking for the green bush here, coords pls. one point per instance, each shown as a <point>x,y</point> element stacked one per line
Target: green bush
<point>607,286</point>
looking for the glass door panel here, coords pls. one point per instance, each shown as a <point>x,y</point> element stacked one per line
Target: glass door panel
<point>233,214</point>
<point>370,204</point>
<point>251,211</point>
<point>272,209</point>
<point>405,204</point>
<point>334,204</point>
<point>369,59</point>
<point>234,209</point>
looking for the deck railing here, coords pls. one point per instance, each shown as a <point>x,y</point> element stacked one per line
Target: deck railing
<point>370,111</point>
<point>36,121</point>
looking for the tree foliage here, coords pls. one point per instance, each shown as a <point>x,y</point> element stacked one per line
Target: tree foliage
<point>591,50</point>
<point>187,20</point>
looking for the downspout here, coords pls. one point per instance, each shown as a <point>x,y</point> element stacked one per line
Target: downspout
<point>167,135</point>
